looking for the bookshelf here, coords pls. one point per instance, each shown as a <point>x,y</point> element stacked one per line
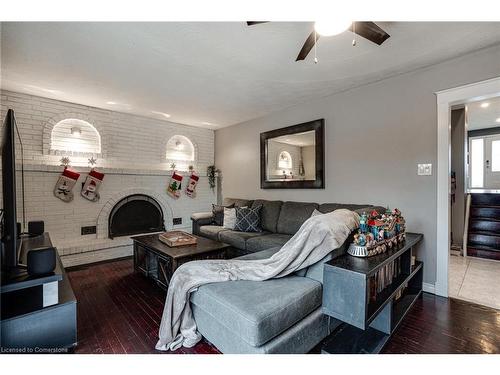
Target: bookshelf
<point>371,296</point>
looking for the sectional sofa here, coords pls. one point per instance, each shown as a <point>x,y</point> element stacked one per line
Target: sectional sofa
<point>273,316</point>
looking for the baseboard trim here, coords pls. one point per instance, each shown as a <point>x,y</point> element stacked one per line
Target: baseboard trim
<point>96,256</point>
<point>429,288</point>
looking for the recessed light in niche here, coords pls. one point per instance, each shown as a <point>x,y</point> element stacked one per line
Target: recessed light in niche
<point>76,131</point>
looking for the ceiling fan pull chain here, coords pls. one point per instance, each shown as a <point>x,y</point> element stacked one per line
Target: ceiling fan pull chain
<point>354,32</point>
<point>315,43</point>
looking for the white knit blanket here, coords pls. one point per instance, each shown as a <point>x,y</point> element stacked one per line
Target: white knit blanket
<point>318,236</point>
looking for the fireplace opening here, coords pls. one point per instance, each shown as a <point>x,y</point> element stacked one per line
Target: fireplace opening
<point>135,214</point>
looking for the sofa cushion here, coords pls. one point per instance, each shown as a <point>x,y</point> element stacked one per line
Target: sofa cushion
<point>211,231</point>
<point>218,213</point>
<point>229,218</point>
<point>329,207</point>
<point>258,311</point>
<point>237,202</point>
<point>269,213</point>
<point>267,241</point>
<point>237,239</point>
<point>369,209</point>
<point>293,215</point>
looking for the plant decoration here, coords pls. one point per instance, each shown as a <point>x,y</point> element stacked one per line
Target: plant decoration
<point>172,166</point>
<point>191,168</point>
<point>212,172</point>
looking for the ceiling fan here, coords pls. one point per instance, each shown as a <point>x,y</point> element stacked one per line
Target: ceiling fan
<point>367,30</point>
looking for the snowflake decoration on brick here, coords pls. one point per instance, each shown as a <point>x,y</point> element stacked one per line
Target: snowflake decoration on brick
<point>65,162</point>
<point>92,161</point>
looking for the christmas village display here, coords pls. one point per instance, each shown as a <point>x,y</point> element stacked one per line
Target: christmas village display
<point>377,233</point>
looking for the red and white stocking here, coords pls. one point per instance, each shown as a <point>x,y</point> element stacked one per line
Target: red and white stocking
<point>174,187</point>
<point>191,187</point>
<point>90,189</point>
<point>65,184</point>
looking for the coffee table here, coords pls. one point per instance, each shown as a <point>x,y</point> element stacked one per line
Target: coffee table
<point>159,261</point>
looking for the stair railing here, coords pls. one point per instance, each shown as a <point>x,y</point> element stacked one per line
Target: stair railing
<point>466,224</point>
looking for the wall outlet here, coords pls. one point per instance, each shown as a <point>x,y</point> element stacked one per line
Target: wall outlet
<point>177,221</point>
<point>424,169</point>
<point>89,230</point>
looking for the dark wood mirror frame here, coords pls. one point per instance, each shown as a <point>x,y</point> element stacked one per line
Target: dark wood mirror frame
<point>319,130</point>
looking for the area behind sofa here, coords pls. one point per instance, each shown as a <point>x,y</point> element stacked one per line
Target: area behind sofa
<point>279,221</point>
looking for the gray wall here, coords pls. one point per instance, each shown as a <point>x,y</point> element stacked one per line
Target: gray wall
<point>375,136</point>
<point>458,166</point>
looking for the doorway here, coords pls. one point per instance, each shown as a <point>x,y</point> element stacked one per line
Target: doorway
<point>446,99</point>
<point>474,263</point>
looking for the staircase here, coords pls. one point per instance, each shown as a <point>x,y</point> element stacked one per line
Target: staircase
<point>483,238</point>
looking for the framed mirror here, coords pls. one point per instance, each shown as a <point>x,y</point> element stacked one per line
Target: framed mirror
<point>293,157</point>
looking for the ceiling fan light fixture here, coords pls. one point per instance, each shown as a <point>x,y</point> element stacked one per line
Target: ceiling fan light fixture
<point>332,26</point>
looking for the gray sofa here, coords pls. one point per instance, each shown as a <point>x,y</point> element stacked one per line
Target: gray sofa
<point>273,316</point>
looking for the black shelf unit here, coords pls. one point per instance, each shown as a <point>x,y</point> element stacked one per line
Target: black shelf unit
<point>26,324</point>
<point>368,323</point>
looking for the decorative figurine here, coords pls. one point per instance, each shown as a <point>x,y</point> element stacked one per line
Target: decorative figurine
<point>378,232</point>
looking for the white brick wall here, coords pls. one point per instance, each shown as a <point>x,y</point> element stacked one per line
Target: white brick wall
<point>133,159</point>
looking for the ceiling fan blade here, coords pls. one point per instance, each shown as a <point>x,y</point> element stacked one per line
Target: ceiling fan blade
<point>370,31</point>
<point>251,23</point>
<point>308,45</point>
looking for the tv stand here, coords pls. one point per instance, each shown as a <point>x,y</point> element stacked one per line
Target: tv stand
<point>38,314</point>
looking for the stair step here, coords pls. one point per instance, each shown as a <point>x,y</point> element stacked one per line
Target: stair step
<point>485,212</point>
<point>484,206</point>
<point>485,199</point>
<point>484,239</point>
<point>483,252</point>
<point>477,225</point>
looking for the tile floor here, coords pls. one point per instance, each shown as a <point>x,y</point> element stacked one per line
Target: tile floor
<point>475,280</point>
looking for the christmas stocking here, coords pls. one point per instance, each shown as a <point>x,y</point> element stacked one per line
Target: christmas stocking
<point>65,184</point>
<point>174,187</point>
<point>191,188</point>
<point>90,189</point>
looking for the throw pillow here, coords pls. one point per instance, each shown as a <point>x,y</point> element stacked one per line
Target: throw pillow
<point>248,219</point>
<point>218,212</point>
<point>229,218</point>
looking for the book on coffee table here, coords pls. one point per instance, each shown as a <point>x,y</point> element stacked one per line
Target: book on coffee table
<point>177,238</point>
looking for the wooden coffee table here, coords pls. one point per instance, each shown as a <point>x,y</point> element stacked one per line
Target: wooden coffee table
<point>159,261</point>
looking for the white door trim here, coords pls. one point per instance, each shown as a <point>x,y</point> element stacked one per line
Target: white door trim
<point>445,99</point>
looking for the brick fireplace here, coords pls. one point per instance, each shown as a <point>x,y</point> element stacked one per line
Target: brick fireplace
<point>133,159</point>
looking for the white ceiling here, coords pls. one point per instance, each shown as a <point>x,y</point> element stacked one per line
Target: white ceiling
<point>214,74</point>
<point>480,117</point>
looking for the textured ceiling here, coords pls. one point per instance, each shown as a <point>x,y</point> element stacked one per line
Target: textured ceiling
<point>214,74</point>
<point>479,117</point>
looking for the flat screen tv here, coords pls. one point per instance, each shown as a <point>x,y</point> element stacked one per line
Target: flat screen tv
<point>9,222</point>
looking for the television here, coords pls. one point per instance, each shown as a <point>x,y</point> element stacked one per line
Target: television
<point>9,217</point>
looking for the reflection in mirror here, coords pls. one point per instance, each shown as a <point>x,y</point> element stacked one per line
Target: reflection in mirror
<point>291,157</point>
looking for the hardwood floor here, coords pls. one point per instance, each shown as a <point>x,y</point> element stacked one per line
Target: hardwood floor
<point>120,312</point>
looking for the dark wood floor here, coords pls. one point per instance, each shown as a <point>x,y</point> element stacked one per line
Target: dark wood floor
<point>120,312</point>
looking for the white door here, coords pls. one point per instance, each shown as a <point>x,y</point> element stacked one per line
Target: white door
<point>492,162</point>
